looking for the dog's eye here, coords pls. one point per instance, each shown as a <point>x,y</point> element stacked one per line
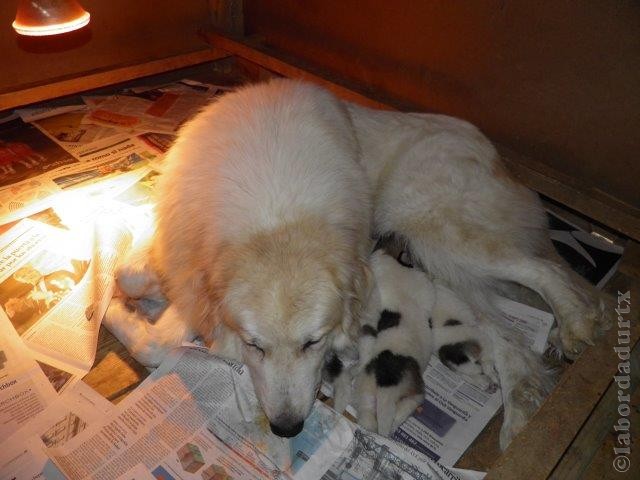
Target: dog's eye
<point>254,346</point>
<point>310,343</point>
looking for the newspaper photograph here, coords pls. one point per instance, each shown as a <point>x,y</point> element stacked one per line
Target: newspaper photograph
<point>54,288</point>
<point>22,455</point>
<point>160,109</point>
<point>28,191</point>
<point>25,152</point>
<point>592,256</point>
<point>75,137</point>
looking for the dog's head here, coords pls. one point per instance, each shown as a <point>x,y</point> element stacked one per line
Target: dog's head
<point>290,299</point>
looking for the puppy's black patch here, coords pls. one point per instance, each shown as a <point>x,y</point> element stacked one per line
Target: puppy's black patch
<point>388,319</point>
<point>389,368</point>
<point>333,367</point>
<point>458,353</point>
<point>368,330</point>
<point>452,322</point>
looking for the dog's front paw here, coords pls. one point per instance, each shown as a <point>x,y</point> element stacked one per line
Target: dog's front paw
<point>149,308</point>
<point>137,279</point>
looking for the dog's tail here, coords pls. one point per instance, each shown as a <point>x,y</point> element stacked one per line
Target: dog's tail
<point>525,380</point>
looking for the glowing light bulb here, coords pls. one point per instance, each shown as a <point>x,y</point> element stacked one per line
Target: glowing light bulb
<point>49,17</point>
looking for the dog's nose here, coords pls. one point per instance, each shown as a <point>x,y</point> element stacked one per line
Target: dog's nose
<point>287,430</point>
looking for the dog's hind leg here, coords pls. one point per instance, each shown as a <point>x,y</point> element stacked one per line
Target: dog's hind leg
<point>581,310</point>
<point>466,220</point>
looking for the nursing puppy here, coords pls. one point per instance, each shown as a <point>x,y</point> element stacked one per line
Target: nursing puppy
<point>408,317</point>
<point>395,345</point>
<point>263,224</point>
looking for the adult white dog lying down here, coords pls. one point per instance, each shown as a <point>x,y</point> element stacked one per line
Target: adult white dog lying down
<point>266,209</point>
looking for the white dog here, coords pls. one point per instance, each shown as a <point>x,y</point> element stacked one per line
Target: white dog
<point>264,218</point>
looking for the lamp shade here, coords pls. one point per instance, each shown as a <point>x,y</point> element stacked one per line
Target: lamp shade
<point>49,17</point>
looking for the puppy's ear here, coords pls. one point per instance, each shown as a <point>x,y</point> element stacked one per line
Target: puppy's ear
<point>355,305</point>
<point>226,343</point>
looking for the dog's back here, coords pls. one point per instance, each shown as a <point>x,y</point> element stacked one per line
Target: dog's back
<point>250,162</point>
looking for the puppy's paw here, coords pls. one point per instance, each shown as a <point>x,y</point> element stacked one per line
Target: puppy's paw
<point>405,408</point>
<point>389,389</point>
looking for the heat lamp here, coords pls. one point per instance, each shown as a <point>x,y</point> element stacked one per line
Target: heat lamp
<point>49,17</point>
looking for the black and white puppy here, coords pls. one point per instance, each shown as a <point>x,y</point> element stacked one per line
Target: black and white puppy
<point>408,317</point>
<point>395,344</point>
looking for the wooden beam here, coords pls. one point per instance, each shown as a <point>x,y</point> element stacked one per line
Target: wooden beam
<point>584,449</point>
<point>548,181</point>
<point>594,203</point>
<point>254,52</point>
<point>27,94</point>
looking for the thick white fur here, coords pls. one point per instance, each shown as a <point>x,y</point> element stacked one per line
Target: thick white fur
<point>273,156</point>
<point>262,238</point>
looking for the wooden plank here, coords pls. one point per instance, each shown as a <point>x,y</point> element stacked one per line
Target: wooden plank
<point>583,450</point>
<point>26,94</point>
<point>592,202</point>
<point>601,467</point>
<point>115,372</point>
<point>536,451</point>
<point>630,264</point>
<point>485,449</point>
<point>535,175</point>
<point>288,67</point>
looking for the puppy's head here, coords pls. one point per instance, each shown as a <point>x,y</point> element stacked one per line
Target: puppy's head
<point>288,302</point>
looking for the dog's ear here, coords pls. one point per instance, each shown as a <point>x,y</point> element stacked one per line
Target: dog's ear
<point>355,305</point>
<point>226,343</point>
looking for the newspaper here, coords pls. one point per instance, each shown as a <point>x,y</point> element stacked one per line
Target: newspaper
<point>593,256</point>
<point>37,164</point>
<point>22,456</point>
<point>24,388</point>
<point>81,140</point>
<point>196,417</point>
<point>93,168</point>
<point>47,151</point>
<point>159,109</point>
<point>55,286</point>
